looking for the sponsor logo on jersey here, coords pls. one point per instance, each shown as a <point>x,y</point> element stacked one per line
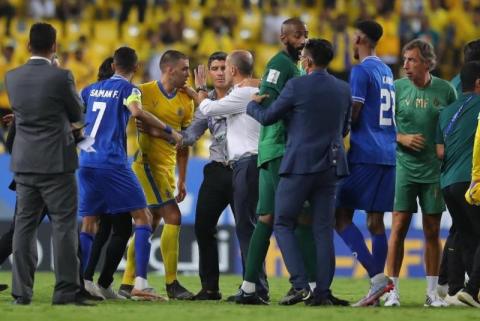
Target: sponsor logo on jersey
<point>272,76</point>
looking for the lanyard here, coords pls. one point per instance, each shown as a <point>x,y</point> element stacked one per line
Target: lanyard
<point>454,119</point>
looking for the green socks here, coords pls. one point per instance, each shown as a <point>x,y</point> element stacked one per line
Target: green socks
<point>257,251</point>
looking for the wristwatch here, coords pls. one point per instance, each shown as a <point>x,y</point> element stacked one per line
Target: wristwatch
<point>202,88</point>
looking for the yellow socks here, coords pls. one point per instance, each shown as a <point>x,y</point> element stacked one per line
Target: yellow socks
<point>169,248</point>
<point>129,274</point>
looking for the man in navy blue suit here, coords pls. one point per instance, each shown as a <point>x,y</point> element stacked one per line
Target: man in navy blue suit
<point>316,109</point>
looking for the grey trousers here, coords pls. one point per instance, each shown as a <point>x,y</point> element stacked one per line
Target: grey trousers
<point>245,198</point>
<point>58,192</point>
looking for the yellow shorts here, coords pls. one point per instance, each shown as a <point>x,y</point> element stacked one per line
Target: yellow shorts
<point>158,183</point>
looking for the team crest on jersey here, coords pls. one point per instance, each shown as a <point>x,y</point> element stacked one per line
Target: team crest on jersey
<point>407,102</point>
<point>180,112</point>
<point>436,102</point>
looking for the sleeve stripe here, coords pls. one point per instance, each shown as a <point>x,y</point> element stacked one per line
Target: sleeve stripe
<point>358,99</point>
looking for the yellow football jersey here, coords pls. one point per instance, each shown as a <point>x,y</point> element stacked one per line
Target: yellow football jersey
<point>176,111</point>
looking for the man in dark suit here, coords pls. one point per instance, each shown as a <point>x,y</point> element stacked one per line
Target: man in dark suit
<point>44,159</point>
<point>316,109</point>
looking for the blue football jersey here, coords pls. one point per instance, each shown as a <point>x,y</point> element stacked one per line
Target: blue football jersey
<point>373,137</point>
<point>106,118</point>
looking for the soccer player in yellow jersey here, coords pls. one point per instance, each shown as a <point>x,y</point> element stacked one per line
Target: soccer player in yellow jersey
<point>155,161</point>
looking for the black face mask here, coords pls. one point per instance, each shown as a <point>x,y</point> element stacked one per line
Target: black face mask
<point>293,52</point>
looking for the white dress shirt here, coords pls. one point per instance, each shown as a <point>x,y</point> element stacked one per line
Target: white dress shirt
<point>39,57</point>
<point>242,130</point>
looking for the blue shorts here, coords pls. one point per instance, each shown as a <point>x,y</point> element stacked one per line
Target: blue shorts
<point>109,191</point>
<point>369,187</point>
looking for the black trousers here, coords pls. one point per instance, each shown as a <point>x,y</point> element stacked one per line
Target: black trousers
<point>216,193</point>
<point>101,238</point>
<point>452,270</point>
<point>466,219</point>
<point>6,239</point>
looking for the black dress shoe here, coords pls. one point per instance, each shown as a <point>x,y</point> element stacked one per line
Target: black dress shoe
<point>318,302</point>
<point>3,287</point>
<point>21,301</point>
<point>90,297</point>
<point>337,301</point>
<point>205,295</point>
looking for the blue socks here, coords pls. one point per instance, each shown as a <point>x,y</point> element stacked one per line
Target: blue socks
<point>86,242</point>
<point>379,250</point>
<point>142,249</point>
<point>352,236</point>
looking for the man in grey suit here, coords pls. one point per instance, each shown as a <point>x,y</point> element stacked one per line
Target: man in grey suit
<point>44,160</point>
<point>316,109</point>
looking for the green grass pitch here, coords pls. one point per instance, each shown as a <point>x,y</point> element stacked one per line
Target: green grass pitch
<point>412,297</point>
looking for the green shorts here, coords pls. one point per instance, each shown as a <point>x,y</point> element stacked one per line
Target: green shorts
<point>429,196</point>
<point>267,183</point>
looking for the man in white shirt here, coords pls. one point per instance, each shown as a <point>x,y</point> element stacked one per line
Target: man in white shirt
<point>242,146</point>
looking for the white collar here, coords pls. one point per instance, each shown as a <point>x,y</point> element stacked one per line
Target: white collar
<point>371,57</point>
<point>39,57</point>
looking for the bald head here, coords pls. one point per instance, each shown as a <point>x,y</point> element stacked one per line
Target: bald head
<point>291,26</point>
<point>242,60</point>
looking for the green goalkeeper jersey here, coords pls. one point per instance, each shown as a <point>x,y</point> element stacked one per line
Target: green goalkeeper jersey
<point>416,112</point>
<point>272,139</point>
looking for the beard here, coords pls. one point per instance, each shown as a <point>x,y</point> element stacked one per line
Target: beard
<point>293,52</point>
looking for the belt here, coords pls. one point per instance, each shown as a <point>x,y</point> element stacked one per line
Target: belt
<point>221,164</point>
<point>241,160</point>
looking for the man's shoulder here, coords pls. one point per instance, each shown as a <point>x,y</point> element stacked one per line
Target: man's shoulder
<point>184,96</point>
<point>448,110</point>
<point>361,67</point>
<point>442,83</point>
<point>281,62</point>
<point>244,91</point>
<point>146,86</point>
<point>248,89</point>
<point>336,82</point>
<point>14,71</point>
<point>402,83</point>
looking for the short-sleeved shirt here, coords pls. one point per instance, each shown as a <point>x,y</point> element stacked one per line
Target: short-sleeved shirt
<point>416,112</point>
<point>373,136</point>
<point>175,110</point>
<point>106,118</point>
<point>458,137</point>
<point>272,139</point>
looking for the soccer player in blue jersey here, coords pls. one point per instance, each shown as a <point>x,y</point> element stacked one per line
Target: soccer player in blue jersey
<point>371,184</point>
<point>106,182</point>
